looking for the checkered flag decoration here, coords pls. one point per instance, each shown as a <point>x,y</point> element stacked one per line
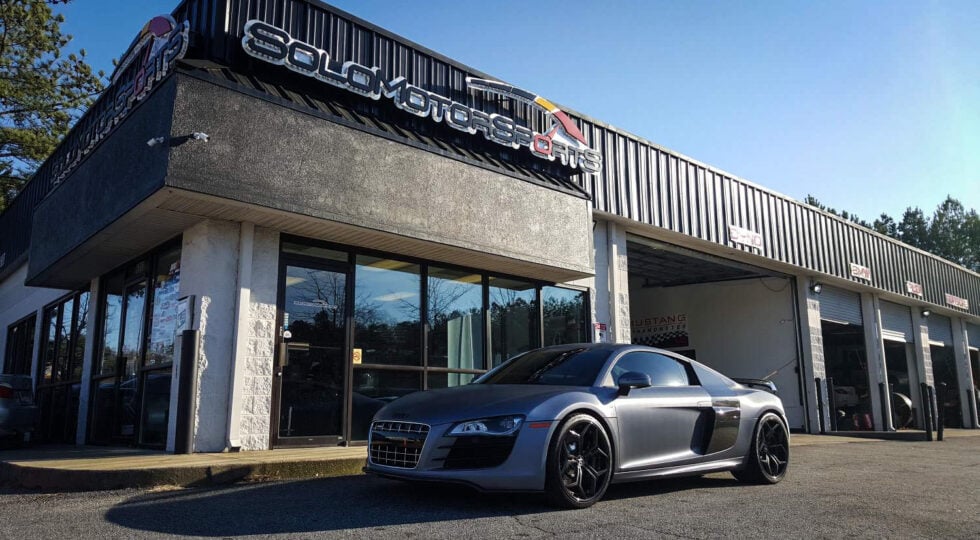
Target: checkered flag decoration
<point>664,340</point>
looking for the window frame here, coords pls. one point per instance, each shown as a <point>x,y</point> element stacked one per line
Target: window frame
<point>29,323</point>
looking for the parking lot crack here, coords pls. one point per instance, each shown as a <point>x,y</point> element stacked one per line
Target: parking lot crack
<point>533,526</point>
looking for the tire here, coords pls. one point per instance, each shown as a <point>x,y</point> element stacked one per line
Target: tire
<point>768,457</point>
<point>580,463</point>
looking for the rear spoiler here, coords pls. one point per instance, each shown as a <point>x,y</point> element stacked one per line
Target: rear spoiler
<point>759,384</point>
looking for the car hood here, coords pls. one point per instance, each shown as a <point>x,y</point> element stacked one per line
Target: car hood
<point>470,402</point>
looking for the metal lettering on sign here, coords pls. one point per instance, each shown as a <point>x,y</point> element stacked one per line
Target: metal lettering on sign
<point>859,271</point>
<point>562,141</point>
<point>150,58</point>
<point>957,302</point>
<point>744,236</point>
<point>912,287</point>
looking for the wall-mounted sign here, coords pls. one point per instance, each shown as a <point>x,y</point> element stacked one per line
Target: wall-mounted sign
<point>744,236</point>
<point>957,302</point>
<point>912,287</point>
<point>859,271</point>
<point>357,356</point>
<point>563,141</point>
<point>600,326</point>
<point>150,58</point>
<point>665,331</point>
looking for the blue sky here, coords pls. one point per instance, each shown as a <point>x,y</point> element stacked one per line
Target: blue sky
<point>869,106</point>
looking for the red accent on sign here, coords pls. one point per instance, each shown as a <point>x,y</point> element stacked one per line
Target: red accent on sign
<point>601,326</point>
<point>541,145</point>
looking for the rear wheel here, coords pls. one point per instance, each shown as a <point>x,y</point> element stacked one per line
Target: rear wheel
<point>580,463</point>
<point>768,457</point>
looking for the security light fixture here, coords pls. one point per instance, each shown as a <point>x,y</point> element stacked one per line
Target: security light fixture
<point>926,312</point>
<point>816,287</point>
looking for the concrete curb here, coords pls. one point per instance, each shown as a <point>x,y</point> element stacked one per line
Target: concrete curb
<point>62,479</point>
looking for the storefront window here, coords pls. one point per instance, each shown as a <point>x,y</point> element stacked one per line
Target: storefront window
<point>60,372</point>
<point>166,289</point>
<point>111,324</point>
<point>455,319</point>
<point>514,318</point>
<point>131,380</point>
<point>20,347</point>
<point>387,314</point>
<point>565,316</point>
<point>375,388</point>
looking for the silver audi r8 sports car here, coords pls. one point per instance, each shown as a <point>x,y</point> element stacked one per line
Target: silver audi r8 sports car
<point>571,419</point>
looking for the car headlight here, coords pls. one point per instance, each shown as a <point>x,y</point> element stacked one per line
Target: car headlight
<point>498,425</point>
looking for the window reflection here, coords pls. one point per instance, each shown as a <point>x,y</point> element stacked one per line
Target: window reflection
<point>455,319</point>
<point>112,322</point>
<point>448,380</point>
<point>564,316</point>
<point>514,323</point>
<point>386,312</point>
<point>373,389</point>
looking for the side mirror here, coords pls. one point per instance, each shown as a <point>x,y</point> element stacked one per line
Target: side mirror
<point>633,379</point>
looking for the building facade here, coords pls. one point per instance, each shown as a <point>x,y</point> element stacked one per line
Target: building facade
<point>280,217</point>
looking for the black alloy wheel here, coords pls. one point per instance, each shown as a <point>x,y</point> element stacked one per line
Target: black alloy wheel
<point>580,463</point>
<point>768,457</point>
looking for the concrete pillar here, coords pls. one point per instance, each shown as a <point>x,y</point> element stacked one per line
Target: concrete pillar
<point>963,372</point>
<point>811,338</point>
<point>877,368</point>
<point>208,266</point>
<point>923,359</point>
<point>92,343</point>
<point>612,281</point>
<point>256,355</point>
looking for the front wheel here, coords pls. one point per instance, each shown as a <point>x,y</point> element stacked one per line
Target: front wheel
<point>768,457</point>
<point>580,463</point>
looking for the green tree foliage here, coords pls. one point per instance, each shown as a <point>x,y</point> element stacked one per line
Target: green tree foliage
<point>952,232</point>
<point>42,92</point>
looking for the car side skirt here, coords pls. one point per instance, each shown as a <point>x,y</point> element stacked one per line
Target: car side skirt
<point>681,470</point>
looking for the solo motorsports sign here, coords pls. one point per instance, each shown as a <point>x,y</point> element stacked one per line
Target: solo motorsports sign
<point>563,141</point>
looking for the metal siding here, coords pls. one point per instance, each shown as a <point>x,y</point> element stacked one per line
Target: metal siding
<point>896,322</point>
<point>841,306</point>
<point>940,330</point>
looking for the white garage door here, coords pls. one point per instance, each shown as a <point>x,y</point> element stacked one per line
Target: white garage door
<point>840,306</point>
<point>896,322</point>
<point>940,330</point>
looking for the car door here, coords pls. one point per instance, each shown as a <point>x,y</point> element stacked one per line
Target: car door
<point>664,424</point>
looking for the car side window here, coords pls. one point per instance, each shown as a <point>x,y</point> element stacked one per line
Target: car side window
<point>663,370</point>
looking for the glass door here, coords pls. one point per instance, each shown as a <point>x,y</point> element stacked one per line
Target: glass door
<point>311,373</point>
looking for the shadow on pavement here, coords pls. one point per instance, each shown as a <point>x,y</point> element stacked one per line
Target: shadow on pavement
<point>332,504</point>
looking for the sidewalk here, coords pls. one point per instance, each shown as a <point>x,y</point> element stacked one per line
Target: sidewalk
<point>91,468</point>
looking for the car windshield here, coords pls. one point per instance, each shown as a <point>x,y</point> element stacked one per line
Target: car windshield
<point>574,366</point>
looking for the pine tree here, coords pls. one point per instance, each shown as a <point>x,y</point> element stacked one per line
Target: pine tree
<point>42,92</point>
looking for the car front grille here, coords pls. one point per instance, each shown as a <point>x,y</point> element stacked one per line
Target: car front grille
<point>397,444</point>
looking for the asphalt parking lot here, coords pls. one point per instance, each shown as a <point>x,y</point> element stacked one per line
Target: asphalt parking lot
<point>876,489</point>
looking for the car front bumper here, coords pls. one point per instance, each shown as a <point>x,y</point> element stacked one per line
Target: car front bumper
<point>522,470</point>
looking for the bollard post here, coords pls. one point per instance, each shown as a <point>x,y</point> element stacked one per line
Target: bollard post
<point>820,418</point>
<point>885,406</point>
<point>940,410</point>
<point>186,385</point>
<point>926,409</point>
<point>832,403</point>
